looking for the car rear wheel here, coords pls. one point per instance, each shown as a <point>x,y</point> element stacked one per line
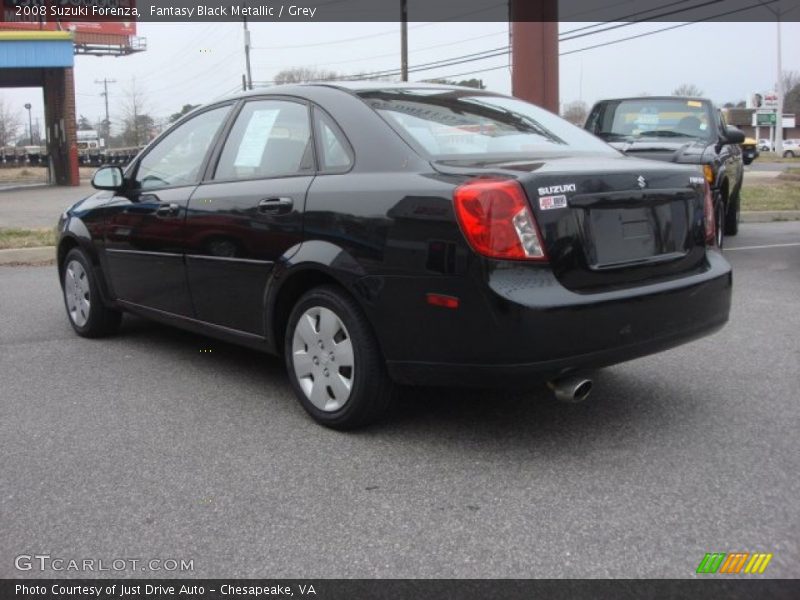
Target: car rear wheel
<point>334,362</point>
<point>788,154</point>
<point>87,314</point>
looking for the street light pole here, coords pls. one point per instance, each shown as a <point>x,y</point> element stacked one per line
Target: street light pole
<point>30,123</point>
<point>404,40</point>
<point>779,115</point>
<point>249,81</point>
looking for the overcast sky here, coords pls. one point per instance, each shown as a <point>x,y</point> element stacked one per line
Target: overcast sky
<point>198,62</point>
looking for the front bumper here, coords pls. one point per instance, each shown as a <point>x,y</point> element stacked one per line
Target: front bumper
<point>528,328</point>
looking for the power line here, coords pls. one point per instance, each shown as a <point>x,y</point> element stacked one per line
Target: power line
<point>625,17</point>
<point>380,33</point>
<point>679,25</point>
<point>491,53</point>
<point>609,43</point>
<point>651,18</point>
<point>390,54</point>
<point>454,75</point>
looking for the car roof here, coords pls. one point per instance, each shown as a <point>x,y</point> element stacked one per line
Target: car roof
<point>694,98</point>
<point>349,86</point>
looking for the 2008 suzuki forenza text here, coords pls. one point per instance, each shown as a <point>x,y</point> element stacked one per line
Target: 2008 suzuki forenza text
<point>378,234</point>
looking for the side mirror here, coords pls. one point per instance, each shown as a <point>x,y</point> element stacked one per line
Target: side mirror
<point>108,178</point>
<point>733,135</point>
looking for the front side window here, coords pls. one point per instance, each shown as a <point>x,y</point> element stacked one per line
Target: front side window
<point>177,159</point>
<point>452,123</point>
<point>271,138</point>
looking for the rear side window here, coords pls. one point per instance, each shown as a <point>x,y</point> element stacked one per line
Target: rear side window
<point>271,138</point>
<point>334,152</point>
<point>448,123</point>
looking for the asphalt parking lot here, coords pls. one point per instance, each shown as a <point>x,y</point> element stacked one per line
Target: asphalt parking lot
<point>144,446</point>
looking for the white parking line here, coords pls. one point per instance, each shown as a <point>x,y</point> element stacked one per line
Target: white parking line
<point>729,249</point>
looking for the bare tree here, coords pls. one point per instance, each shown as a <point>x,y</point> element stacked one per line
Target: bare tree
<point>136,122</point>
<point>791,79</point>
<point>302,74</point>
<point>687,89</point>
<point>576,112</point>
<point>791,92</point>
<point>10,123</point>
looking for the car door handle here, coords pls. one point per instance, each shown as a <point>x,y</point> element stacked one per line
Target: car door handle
<point>168,210</point>
<point>275,205</point>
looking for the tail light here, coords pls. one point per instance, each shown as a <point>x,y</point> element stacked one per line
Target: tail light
<point>497,221</point>
<point>708,213</point>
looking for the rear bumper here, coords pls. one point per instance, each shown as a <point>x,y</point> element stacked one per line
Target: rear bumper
<point>525,374</point>
<point>528,328</point>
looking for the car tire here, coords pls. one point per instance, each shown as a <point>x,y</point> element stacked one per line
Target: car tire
<point>86,312</point>
<point>788,154</point>
<point>732,215</point>
<point>334,362</point>
<point>719,221</point>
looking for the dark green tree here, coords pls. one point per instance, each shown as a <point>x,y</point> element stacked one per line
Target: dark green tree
<point>187,108</point>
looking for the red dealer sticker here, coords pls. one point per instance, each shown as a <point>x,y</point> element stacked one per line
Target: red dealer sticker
<point>550,202</point>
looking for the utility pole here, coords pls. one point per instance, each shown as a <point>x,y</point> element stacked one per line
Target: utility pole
<point>107,123</point>
<point>30,124</point>
<point>404,40</point>
<point>247,55</point>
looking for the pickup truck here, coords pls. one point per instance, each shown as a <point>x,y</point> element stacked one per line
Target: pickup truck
<point>680,130</point>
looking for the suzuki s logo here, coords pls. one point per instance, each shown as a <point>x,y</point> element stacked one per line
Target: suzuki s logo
<point>642,182</point>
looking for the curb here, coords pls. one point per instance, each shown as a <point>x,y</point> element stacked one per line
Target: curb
<point>15,187</point>
<point>768,216</point>
<point>28,256</point>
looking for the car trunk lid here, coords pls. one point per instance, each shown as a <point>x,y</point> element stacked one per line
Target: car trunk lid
<point>610,223</point>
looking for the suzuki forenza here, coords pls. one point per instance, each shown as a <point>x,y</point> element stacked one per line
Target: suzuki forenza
<point>379,234</point>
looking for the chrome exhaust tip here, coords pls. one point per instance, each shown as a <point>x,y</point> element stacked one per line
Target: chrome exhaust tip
<point>571,389</point>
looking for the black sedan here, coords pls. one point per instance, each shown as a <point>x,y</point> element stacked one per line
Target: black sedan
<point>379,234</point>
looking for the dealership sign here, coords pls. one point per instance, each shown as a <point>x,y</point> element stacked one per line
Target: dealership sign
<point>764,100</point>
<point>770,100</point>
<point>769,119</point>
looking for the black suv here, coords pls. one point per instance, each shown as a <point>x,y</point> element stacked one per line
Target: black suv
<point>680,130</point>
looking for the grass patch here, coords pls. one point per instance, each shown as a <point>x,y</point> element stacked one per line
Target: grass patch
<point>769,195</point>
<point>32,174</point>
<point>774,158</point>
<point>26,238</point>
<point>23,175</point>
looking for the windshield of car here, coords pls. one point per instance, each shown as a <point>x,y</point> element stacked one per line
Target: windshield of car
<point>663,118</point>
<point>454,123</point>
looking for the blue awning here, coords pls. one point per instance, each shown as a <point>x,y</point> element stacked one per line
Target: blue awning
<point>25,50</point>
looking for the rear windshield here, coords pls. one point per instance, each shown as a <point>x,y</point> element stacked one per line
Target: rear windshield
<point>454,123</point>
<point>619,120</point>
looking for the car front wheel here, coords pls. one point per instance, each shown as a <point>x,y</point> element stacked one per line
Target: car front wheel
<point>788,154</point>
<point>335,365</point>
<point>87,314</point>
